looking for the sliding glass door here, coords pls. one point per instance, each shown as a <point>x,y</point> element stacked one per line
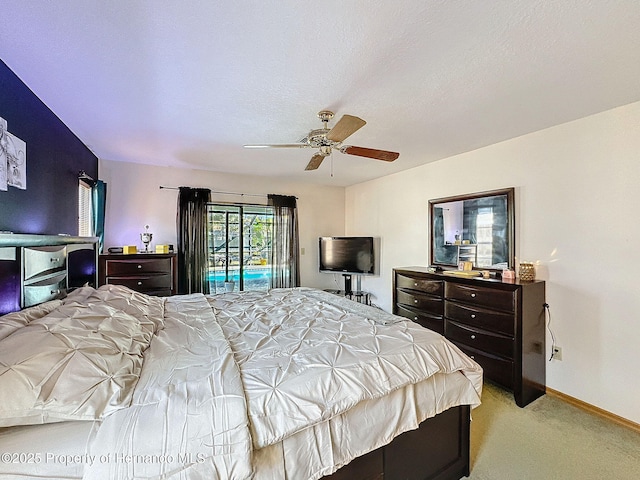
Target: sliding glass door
<point>240,239</point>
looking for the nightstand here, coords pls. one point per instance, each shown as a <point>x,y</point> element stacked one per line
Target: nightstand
<point>149,273</point>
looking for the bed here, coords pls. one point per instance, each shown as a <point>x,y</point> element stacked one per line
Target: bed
<point>285,384</point>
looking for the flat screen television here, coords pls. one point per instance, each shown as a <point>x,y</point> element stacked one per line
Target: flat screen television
<point>347,255</point>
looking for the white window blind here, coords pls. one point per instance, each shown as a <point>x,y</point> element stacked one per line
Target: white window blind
<point>85,224</point>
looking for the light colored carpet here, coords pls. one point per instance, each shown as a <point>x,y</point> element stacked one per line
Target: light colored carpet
<point>549,439</point>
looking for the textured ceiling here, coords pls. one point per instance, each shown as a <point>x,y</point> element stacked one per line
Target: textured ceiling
<point>187,83</point>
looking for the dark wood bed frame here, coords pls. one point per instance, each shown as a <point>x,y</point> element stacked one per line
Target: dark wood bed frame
<point>437,450</point>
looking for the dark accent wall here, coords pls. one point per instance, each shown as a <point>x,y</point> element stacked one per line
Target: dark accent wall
<point>55,155</point>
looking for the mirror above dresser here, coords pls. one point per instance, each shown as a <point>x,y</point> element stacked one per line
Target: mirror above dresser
<point>477,228</point>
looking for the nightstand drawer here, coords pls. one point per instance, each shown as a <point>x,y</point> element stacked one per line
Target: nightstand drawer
<point>143,283</point>
<point>137,266</point>
<point>433,287</point>
<point>492,343</point>
<point>45,290</point>
<point>480,317</point>
<point>421,301</point>
<point>486,297</point>
<point>43,260</point>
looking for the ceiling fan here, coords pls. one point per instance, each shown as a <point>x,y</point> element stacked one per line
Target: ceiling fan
<point>325,140</point>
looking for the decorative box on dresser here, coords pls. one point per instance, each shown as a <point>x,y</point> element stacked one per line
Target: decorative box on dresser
<point>150,273</point>
<point>500,324</point>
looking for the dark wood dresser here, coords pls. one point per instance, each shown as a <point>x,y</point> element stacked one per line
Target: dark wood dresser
<point>149,273</point>
<point>499,324</point>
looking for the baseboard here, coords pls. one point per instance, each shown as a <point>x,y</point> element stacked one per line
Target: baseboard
<point>593,409</point>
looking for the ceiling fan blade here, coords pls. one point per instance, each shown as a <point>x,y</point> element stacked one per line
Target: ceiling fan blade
<point>280,145</point>
<point>315,162</point>
<point>346,126</point>
<point>370,153</point>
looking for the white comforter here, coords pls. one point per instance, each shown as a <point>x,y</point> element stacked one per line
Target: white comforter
<point>235,384</point>
<point>188,416</point>
<point>304,358</point>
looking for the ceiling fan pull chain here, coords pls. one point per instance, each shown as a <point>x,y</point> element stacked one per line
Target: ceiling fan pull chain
<point>332,164</point>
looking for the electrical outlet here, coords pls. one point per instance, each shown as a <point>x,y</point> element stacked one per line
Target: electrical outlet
<point>557,353</point>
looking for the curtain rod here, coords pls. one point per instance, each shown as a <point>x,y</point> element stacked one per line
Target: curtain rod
<point>82,175</point>
<point>224,193</point>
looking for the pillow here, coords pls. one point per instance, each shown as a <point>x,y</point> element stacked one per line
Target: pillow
<point>78,362</point>
<point>149,310</point>
<point>10,322</point>
<point>79,295</point>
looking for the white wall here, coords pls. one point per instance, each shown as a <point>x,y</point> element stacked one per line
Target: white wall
<point>577,199</point>
<point>134,199</point>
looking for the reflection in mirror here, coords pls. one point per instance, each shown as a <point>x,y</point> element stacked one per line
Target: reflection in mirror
<point>477,228</point>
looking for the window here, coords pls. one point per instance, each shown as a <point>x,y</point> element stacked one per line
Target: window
<point>240,239</point>
<point>85,217</point>
<point>484,235</point>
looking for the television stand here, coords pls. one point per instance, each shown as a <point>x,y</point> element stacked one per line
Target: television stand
<point>347,283</point>
<point>358,296</point>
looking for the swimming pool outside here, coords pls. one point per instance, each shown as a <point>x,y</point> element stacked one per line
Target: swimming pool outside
<point>254,279</point>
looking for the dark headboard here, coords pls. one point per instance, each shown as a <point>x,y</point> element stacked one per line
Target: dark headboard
<point>37,268</point>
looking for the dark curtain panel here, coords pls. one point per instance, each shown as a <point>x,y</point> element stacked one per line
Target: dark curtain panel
<point>470,222</point>
<point>285,260</point>
<point>98,203</point>
<point>500,251</point>
<point>193,261</point>
<point>442,253</point>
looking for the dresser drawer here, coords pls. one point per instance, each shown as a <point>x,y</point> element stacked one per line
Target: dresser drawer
<point>486,297</point>
<point>143,283</point>
<point>490,342</point>
<point>430,321</point>
<point>496,369</point>
<point>136,266</point>
<point>45,290</point>
<point>433,287</point>
<point>427,303</point>
<point>43,260</point>
<point>480,317</point>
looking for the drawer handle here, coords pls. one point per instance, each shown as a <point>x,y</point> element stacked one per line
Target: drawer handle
<point>473,315</point>
<point>54,260</point>
<point>139,283</point>
<point>415,284</point>
<point>55,292</point>
<point>473,295</point>
<point>415,319</point>
<point>472,357</point>
<point>415,301</point>
<point>473,337</point>
<point>139,266</point>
